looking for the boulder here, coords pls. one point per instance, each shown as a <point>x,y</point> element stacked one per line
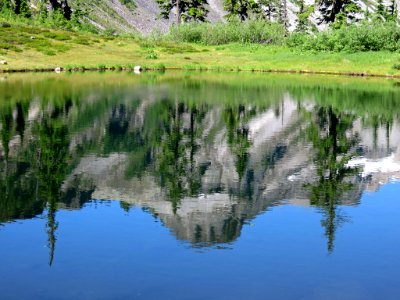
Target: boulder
<point>3,62</point>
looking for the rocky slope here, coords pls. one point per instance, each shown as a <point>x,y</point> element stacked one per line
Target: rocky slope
<point>145,16</point>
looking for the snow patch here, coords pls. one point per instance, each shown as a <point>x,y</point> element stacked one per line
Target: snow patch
<point>385,165</point>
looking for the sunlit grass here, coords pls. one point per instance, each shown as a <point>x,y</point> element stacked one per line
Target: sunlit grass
<point>26,47</point>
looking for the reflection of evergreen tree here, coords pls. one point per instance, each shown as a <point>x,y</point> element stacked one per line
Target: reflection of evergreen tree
<point>333,147</point>
<point>165,144</point>
<point>22,111</point>
<point>118,137</point>
<point>32,173</point>
<point>16,199</point>
<point>238,136</point>
<point>52,155</point>
<point>236,119</point>
<point>173,161</point>
<point>179,174</point>
<point>376,121</point>
<point>7,127</point>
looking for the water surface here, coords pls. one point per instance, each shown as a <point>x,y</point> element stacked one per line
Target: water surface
<point>199,186</point>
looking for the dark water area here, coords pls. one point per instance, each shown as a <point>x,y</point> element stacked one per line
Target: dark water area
<point>199,186</point>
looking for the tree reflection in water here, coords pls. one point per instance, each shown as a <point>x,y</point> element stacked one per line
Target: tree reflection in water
<point>176,143</point>
<point>51,164</point>
<point>334,146</point>
<point>32,181</point>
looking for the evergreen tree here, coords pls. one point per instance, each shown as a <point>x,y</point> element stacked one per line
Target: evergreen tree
<point>62,7</point>
<point>381,10</point>
<point>392,11</point>
<point>242,9</point>
<point>78,13</point>
<point>283,18</point>
<point>22,8</point>
<point>187,10</point>
<point>5,5</point>
<point>392,8</point>
<point>367,14</point>
<point>269,9</point>
<point>19,7</point>
<point>339,11</point>
<point>302,17</point>
<point>42,13</point>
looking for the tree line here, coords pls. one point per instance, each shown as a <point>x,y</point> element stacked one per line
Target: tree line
<point>59,13</point>
<point>337,13</point>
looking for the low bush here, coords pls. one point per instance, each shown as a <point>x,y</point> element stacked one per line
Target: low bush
<point>352,38</point>
<point>252,31</point>
<point>396,66</point>
<point>57,36</point>
<point>4,25</point>
<point>151,54</point>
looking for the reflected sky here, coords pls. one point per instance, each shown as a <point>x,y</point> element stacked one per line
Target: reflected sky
<point>104,252</point>
<point>211,186</point>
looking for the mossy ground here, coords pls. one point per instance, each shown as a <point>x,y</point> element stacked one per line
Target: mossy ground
<point>32,48</point>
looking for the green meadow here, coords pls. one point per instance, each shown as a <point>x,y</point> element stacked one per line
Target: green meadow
<point>32,48</point>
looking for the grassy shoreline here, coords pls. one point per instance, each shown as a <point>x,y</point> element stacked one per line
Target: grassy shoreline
<point>88,69</point>
<point>34,49</point>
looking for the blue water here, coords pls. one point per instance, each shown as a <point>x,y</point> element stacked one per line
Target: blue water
<point>212,186</point>
<point>106,253</point>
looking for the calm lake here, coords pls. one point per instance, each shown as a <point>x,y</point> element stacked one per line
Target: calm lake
<point>199,186</point>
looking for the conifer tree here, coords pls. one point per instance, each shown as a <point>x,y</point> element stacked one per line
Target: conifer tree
<point>269,9</point>
<point>381,10</point>
<point>241,9</point>
<point>5,5</point>
<point>187,10</point>
<point>339,11</point>
<point>302,17</point>
<point>283,17</point>
<point>42,13</point>
<point>392,8</point>
<point>392,11</point>
<point>22,8</point>
<point>63,7</point>
<point>78,13</point>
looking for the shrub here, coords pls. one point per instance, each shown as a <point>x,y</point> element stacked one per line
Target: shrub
<point>109,32</point>
<point>251,31</point>
<point>151,54</point>
<point>82,41</point>
<point>297,39</point>
<point>56,36</point>
<point>352,38</point>
<point>4,25</point>
<point>160,67</point>
<point>396,66</point>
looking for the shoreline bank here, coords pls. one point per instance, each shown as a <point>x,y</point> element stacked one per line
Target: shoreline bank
<point>202,69</point>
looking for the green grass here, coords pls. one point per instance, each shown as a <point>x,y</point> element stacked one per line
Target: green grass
<point>27,47</point>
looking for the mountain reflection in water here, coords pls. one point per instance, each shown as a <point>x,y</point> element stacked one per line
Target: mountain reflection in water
<point>202,156</point>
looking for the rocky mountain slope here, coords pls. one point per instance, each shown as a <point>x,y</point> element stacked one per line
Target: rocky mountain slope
<point>144,16</point>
